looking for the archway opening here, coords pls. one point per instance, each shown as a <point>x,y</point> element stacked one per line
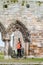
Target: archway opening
<point>1,46</point>
<point>18,30</point>
<point>1,42</point>
<point>14,39</point>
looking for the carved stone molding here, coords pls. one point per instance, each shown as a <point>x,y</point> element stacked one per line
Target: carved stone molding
<point>21,27</point>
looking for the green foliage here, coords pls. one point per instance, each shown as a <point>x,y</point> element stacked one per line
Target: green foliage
<point>1,56</point>
<point>39,3</point>
<point>23,2</point>
<point>1,53</point>
<point>14,1</point>
<point>7,1</point>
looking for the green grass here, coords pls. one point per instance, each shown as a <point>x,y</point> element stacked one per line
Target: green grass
<point>1,56</point>
<point>22,60</point>
<point>1,53</point>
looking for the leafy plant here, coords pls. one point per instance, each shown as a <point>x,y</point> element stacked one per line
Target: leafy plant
<point>23,2</point>
<point>39,2</point>
<point>7,1</point>
<point>14,1</point>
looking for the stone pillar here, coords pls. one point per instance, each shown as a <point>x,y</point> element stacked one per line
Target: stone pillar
<point>26,48</point>
<point>27,51</point>
<point>6,48</point>
<point>6,39</point>
<point>13,42</point>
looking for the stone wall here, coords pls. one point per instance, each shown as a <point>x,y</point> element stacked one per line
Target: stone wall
<point>31,18</point>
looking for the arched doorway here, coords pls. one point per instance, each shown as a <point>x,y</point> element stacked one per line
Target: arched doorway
<point>18,29</point>
<point>1,47</point>
<point>2,44</point>
<point>14,39</point>
<point>21,27</point>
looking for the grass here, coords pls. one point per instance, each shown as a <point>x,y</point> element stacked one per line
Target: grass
<point>21,60</point>
<point>1,56</point>
<point>1,53</point>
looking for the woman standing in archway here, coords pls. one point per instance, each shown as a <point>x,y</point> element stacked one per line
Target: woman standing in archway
<point>19,48</point>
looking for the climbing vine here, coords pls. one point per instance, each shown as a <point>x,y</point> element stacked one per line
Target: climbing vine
<point>14,1</point>
<point>39,3</point>
<point>23,2</point>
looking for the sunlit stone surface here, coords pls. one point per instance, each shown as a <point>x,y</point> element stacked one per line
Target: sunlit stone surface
<point>31,17</point>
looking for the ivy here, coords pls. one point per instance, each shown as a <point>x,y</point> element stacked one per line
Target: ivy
<point>23,2</point>
<point>7,1</point>
<point>39,3</point>
<point>14,1</point>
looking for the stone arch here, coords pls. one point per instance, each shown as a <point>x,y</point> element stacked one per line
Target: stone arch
<point>19,25</point>
<point>2,30</point>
